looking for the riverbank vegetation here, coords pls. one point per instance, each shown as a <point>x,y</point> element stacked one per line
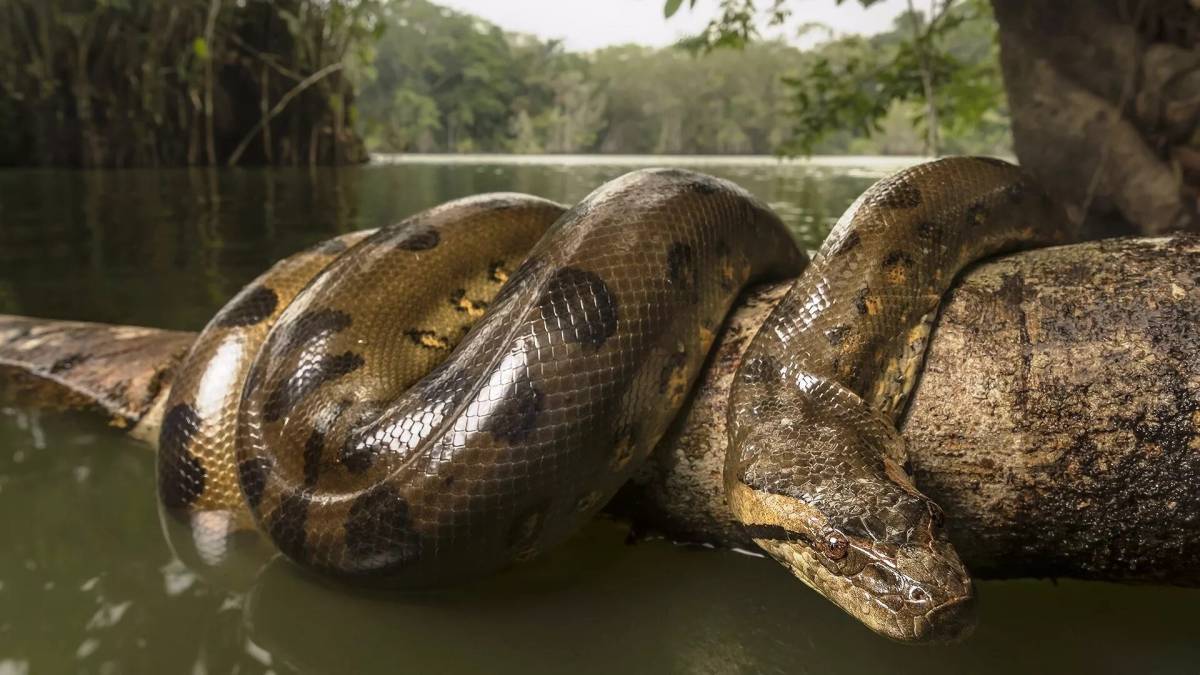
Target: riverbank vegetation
<point>105,83</point>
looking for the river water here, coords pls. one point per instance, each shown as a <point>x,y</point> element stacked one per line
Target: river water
<point>88,583</point>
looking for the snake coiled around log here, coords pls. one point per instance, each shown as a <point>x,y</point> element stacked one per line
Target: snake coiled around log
<point>443,397</point>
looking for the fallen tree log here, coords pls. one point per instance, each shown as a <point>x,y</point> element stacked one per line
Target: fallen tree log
<point>1057,421</point>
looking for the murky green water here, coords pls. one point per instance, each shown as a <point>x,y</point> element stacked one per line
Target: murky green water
<point>87,582</point>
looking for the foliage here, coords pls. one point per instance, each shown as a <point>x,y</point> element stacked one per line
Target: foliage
<point>943,69</point>
<point>450,82</point>
<point>150,82</point>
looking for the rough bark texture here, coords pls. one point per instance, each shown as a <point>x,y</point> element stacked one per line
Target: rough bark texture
<point>1056,421</point>
<point>124,371</point>
<point>1105,102</point>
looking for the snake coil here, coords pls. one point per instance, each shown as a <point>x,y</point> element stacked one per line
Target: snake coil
<point>437,399</point>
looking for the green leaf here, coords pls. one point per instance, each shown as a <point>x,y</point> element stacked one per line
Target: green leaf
<point>200,47</point>
<point>671,7</point>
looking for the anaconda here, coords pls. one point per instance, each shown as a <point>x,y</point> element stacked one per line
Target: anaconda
<point>443,397</point>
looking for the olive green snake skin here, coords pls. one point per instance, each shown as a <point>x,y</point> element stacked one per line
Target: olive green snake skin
<point>443,397</point>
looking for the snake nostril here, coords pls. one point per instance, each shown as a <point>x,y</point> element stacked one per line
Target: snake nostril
<point>916,594</point>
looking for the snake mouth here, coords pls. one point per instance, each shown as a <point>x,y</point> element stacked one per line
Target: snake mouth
<point>951,621</point>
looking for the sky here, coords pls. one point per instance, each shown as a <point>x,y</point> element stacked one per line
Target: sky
<point>584,25</point>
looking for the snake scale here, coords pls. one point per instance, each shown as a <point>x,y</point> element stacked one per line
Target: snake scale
<point>445,396</point>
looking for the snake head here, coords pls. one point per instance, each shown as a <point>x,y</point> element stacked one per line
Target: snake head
<point>907,584</point>
<point>893,569</point>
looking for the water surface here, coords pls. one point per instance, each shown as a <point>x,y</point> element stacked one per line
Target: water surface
<point>88,584</point>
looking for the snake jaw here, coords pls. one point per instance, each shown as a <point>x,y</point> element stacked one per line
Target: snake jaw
<point>912,596</point>
<point>903,578</point>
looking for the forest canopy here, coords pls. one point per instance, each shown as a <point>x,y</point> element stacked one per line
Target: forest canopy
<point>444,81</point>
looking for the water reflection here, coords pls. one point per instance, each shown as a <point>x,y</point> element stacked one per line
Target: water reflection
<point>168,247</point>
<point>88,583</point>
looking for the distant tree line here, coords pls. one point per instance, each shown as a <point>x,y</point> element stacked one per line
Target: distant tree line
<point>105,83</point>
<point>443,81</point>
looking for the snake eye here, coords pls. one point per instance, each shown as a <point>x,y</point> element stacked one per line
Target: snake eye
<point>836,546</point>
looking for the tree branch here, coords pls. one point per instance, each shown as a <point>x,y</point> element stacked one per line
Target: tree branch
<point>283,102</point>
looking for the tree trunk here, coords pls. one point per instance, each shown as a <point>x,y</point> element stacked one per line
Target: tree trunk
<point>1105,102</point>
<point>1057,420</point>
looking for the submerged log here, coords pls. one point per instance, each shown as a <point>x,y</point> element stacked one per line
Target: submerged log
<point>123,371</point>
<point>1057,421</point>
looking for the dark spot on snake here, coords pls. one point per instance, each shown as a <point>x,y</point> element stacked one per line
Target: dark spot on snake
<point>313,325</point>
<point>762,369</point>
<point>313,448</point>
<point>682,271</point>
<point>249,307</point>
<point>896,192</point>
<point>305,380</point>
<point>516,416</point>
<point>421,238</point>
<point>976,214</point>
<point>496,272</point>
<point>252,474</point>
<point>849,243</point>
<point>461,303</point>
<point>837,335</point>
<point>926,228</point>
<point>860,300</point>
<point>428,339</point>
<point>356,455</point>
<point>379,534</point>
<point>581,305</point>
<point>181,476</point>
<point>67,363</point>
<point>287,524</point>
<point>898,258</point>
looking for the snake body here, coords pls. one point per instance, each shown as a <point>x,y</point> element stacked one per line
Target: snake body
<point>816,468</point>
<point>413,407</point>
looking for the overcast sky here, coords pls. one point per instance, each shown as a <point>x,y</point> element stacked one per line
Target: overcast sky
<point>590,24</point>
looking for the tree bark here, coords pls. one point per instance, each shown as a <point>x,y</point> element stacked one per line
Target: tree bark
<point>1057,420</point>
<point>1105,103</point>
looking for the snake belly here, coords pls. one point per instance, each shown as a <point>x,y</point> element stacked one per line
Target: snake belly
<point>816,469</point>
<point>525,429</point>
